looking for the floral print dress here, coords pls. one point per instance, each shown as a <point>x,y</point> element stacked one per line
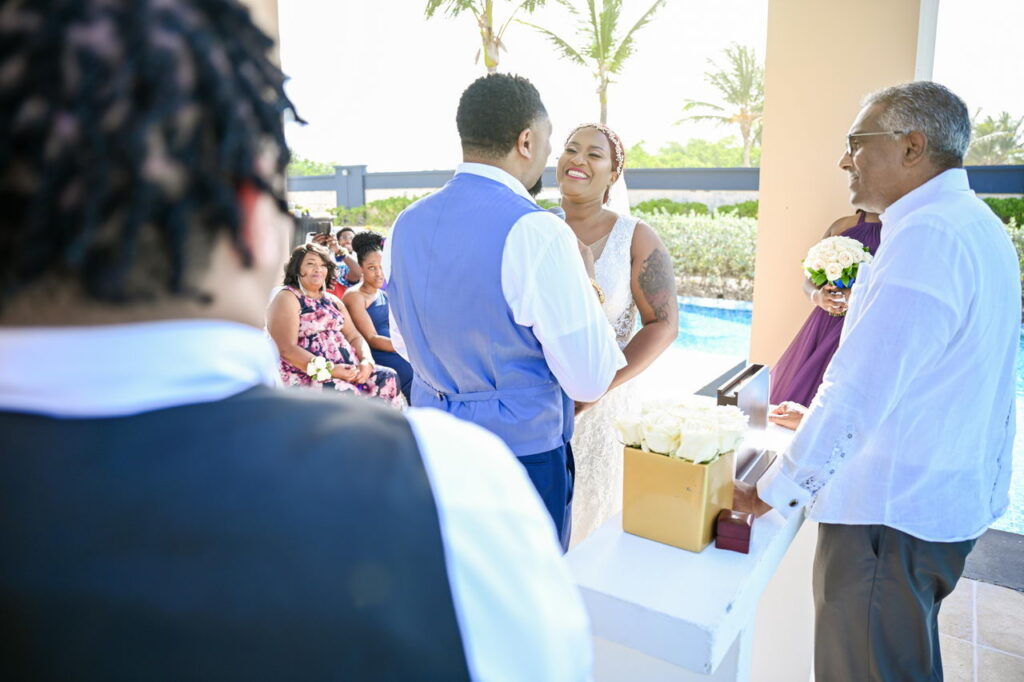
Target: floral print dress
<point>320,324</point>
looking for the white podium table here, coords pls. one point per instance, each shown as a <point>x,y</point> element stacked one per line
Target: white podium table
<point>659,613</point>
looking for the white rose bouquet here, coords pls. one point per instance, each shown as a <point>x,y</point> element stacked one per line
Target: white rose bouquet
<point>835,260</point>
<point>690,431</point>
<point>319,369</point>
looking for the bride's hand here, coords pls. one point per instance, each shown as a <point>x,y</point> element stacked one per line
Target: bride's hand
<point>588,258</point>
<point>583,407</point>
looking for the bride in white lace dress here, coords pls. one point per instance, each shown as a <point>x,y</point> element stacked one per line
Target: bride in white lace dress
<point>634,271</point>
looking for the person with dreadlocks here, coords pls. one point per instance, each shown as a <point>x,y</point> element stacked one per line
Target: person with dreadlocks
<point>166,512</point>
<point>633,268</point>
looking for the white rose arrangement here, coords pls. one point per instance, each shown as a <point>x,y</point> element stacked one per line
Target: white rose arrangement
<point>319,369</point>
<point>695,432</point>
<point>835,260</point>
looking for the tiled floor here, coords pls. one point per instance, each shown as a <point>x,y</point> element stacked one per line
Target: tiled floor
<point>982,636</point>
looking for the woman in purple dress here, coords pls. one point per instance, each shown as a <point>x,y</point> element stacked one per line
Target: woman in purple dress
<point>798,373</point>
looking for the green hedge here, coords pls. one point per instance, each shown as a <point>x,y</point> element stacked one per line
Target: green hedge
<point>744,209</point>
<point>667,206</point>
<point>713,255</point>
<point>379,213</point>
<point>1008,209</point>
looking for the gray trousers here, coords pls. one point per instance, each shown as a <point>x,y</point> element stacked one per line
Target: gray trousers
<point>877,593</point>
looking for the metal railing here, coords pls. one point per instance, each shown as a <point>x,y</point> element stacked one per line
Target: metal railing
<point>349,183</point>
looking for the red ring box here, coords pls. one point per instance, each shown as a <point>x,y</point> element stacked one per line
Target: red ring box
<point>733,529</point>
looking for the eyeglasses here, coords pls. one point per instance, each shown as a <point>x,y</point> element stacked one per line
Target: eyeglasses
<point>851,136</point>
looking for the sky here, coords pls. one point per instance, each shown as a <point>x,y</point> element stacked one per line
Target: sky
<point>379,84</point>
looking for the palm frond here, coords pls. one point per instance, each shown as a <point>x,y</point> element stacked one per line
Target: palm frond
<point>527,5</point>
<point>567,50</point>
<point>721,120</point>
<point>452,8</point>
<point>569,6</point>
<point>694,104</point>
<point>626,47</point>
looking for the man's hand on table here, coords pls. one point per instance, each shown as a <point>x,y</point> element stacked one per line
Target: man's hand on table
<point>788,415</point>
<point>745,499</point>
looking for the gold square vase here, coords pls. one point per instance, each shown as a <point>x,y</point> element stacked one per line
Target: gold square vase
<point>674,501</point>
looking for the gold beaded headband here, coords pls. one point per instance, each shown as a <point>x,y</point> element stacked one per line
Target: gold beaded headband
<point>620,152</point>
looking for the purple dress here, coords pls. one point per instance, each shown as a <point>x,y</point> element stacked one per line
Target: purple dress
<point>798,373</point>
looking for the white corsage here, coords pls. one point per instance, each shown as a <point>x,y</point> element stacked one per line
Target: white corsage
<point>319,369</point>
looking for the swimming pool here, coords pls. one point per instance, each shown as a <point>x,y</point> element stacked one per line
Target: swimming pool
<point>723,328</point>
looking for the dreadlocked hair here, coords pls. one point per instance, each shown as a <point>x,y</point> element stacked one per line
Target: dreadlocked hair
<point>365,243</point>
<point>127,129</point>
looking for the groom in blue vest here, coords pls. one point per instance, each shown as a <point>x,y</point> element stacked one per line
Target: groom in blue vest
<point>490,299</point>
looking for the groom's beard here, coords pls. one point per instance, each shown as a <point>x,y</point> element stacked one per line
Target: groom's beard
<point>537,187</point>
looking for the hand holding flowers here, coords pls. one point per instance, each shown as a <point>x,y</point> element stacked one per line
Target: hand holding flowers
<point>835,260</point>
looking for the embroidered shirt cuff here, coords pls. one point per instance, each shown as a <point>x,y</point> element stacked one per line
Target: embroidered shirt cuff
<point>782,493</point>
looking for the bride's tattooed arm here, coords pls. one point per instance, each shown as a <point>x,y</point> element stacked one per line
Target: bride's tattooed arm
<point>653,285</point>
<point>658,283</point>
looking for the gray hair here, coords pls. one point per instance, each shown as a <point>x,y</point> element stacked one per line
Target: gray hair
<point>932,109</point>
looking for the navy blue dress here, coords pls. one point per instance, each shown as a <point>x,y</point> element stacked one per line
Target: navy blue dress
<point>378,312</point>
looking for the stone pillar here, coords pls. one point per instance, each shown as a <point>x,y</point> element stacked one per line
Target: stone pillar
<point>822,57</point>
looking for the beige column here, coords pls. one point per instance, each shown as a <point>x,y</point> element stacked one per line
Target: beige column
<point>822,57</point>
<point>264,13</point>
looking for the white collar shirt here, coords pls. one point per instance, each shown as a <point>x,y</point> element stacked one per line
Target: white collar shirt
<point>520,615</point>
<point>547,289</point>
<point>913,425</point>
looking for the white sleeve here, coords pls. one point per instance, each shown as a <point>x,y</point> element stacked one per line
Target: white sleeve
<point>520,614</point>
<point>547,289</point>
<point>904,321</point>
<point>396,334</point>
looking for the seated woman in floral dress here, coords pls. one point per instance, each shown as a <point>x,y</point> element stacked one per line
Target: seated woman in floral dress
<point>306,322</point>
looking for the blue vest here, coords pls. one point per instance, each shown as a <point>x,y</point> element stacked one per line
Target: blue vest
<point>470,357</point>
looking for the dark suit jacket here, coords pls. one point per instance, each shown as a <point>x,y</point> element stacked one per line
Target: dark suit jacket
<point>275,535</point>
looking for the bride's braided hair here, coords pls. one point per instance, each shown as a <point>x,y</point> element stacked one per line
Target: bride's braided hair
<point>618,150</point>
<point>127,128</point>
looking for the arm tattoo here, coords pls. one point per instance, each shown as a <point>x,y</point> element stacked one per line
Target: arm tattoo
<point>658,283</point>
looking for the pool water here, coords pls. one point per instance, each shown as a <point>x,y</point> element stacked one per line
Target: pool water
<point>723,328</point>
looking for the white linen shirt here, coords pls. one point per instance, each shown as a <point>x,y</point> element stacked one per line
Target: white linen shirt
<point>913,425</point>
<point>547,289</point>
<point>519,613</point>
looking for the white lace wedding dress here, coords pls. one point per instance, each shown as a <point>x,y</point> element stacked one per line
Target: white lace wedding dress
<point>595,443</point>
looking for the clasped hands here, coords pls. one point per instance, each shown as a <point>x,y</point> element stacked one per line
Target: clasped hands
<point>831,299</point>
<point>353,374</point>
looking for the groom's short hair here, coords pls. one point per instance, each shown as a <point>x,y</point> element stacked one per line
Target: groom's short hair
<point>493,110</point>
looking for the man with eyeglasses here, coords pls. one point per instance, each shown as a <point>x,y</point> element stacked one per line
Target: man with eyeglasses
<point>904,455</point>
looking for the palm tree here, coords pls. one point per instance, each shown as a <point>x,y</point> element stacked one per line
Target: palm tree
<point>742,87</point>
<point>600,47</point>
<point>996,141</point>
<point>483,12</point>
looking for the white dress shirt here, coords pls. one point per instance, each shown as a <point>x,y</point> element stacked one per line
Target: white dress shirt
<point>547,290</point>
<point>913,425</point>
<point>519,612</point>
